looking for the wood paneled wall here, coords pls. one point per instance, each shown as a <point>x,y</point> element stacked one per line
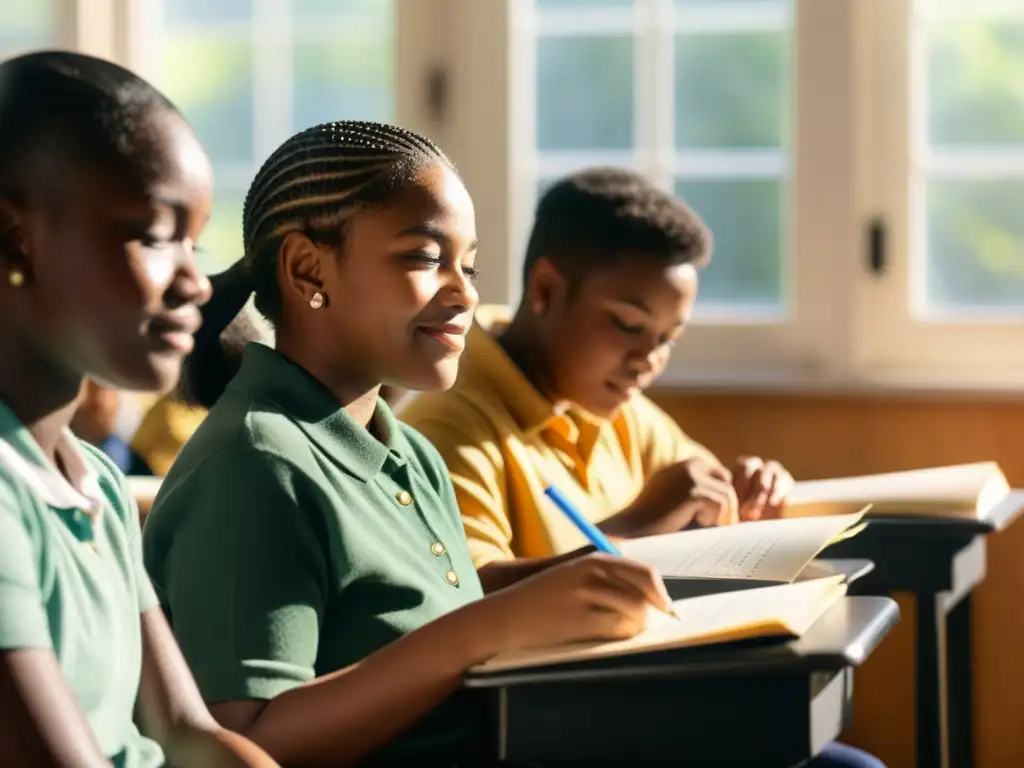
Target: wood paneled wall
<point>825,436</point>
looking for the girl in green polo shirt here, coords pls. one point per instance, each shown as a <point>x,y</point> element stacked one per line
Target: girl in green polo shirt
<point>103,191</point>
<point>307,547</point>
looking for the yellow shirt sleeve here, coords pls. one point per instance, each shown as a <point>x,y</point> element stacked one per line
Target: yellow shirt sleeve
<point>472,452</point>
<point>660,439</point>
<point>164,430</point>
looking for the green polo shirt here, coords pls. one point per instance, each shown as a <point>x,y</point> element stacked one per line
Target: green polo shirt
<point>288,542</point>
<point>71,579</point>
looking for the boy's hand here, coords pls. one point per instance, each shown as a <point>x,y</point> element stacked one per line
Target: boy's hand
<point>693,491</point>
<point>761,487</point>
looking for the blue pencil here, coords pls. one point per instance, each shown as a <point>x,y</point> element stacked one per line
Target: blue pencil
<point>594,534</point>
<point>587,528</point>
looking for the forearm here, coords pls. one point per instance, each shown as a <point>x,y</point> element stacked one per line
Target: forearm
<point>342,717</point>
<point>499,574</point>
<point>197,747</point>
<point>635,521</point>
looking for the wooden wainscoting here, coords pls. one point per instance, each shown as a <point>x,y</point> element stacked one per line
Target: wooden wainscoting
<point>825,436</point>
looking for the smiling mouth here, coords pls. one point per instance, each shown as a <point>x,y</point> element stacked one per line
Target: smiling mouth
<point>622,390</point>
<point>172,335</point>
<point>452,338</point>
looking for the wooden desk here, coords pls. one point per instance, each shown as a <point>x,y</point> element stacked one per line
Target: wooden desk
<point>752,704</point>
<point>940,561</point>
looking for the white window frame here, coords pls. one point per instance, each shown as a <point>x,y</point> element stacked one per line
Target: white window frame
<point>977,349</point>
<point>849,163</point>
<point>502,175</point>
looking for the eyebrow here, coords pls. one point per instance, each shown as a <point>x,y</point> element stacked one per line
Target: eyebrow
<point>434,233</point>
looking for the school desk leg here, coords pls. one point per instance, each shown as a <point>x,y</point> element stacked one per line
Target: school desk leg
<point>930,668</point>
<point>959,684</point>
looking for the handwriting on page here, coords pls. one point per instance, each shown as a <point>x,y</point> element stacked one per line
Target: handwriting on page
<point>773,550</point>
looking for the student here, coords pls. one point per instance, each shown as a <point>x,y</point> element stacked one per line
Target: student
<point>95,422</point>
<point>554,393</point>
<point>103,191</point>
<point>306,546</point>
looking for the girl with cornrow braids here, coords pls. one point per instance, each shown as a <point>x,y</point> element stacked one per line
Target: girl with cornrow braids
<point>306,546</point>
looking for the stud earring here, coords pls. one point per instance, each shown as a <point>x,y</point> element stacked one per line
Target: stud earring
<point>317,301</point>
<point>16,278</point>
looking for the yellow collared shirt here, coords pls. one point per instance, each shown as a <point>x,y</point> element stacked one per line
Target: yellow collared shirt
<point>503,441</point>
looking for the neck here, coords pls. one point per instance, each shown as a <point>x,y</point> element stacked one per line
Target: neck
<point>357,394</point>
<point>38,392</point>
<point>520,340</point>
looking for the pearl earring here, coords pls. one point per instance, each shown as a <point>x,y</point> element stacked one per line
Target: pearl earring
<point>317,301</point>
<point>16,278</point>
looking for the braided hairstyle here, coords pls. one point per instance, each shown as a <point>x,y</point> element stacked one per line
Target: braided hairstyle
<point>312,184</point>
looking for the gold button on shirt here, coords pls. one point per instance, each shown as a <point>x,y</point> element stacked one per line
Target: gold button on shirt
<point>452,578</point>
<point>404,498</point>
<point>437,548</point>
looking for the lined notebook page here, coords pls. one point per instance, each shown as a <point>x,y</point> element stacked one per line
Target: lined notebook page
<point>787,609</point>
<point>770,550</point>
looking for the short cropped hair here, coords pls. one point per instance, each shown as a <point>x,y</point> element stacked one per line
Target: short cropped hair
<point>595,218</point>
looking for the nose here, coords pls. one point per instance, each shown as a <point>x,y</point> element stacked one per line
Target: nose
<point>190,284</point>
<point>460,292</point>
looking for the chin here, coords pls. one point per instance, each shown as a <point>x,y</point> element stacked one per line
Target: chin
<point>432,378</point>
<point>158,373</point>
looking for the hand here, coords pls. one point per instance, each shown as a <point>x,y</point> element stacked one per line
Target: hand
<point>597,597</point>
<point>761,487</point>
<point>693,491</point>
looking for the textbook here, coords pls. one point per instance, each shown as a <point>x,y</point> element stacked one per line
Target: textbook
<point>968,491</point>
<point>761,553</point>
<point>786,610</point>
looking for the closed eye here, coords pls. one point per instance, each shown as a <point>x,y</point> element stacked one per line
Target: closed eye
<point>625,327</point>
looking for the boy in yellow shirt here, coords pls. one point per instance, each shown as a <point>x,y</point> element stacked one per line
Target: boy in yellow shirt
<point>554,393</point>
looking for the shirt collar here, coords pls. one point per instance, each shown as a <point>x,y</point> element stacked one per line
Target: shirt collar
<point>21,454</point>
<point>266,374</point>
<point>486,364</point>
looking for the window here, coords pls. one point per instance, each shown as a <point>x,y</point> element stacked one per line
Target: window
<point>248,74</point>
<point>696,94</point>
<point>947,160</point>
<point>791,127</point>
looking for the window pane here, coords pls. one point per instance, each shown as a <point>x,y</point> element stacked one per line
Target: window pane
<point>732,90</point>
<point>27,24</point>
<point>975,243</point>
<point>211,82</point>
<point>349,74</point>
<point>974,176</point>
<point>199,12</point>
<point>745,217</point>
<point>584,92</point>
<point>221,241</point>
<point>975,76</point>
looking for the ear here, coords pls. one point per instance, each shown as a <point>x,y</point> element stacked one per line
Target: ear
<point>301,267</point>
<point>546,287</point>
<point>15,239</point>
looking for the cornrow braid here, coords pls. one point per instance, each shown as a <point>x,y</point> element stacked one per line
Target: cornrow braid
<point>313,184</point>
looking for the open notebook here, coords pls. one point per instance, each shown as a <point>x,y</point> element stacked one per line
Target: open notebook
<point>768,551</point>
<point>972,491</point>
<point>787,610</point>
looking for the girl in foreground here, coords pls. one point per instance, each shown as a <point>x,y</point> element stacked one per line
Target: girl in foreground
<point>103,191</point>
<point>307,546</point>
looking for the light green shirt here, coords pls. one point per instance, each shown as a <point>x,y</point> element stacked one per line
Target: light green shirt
<point>71,579</point>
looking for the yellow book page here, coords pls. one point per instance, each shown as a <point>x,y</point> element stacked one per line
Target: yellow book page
<point>966,490</point>
<point>768,550</point>
<point>787,609</point>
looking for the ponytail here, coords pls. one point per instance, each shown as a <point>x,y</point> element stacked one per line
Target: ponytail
<point>219,344</point>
